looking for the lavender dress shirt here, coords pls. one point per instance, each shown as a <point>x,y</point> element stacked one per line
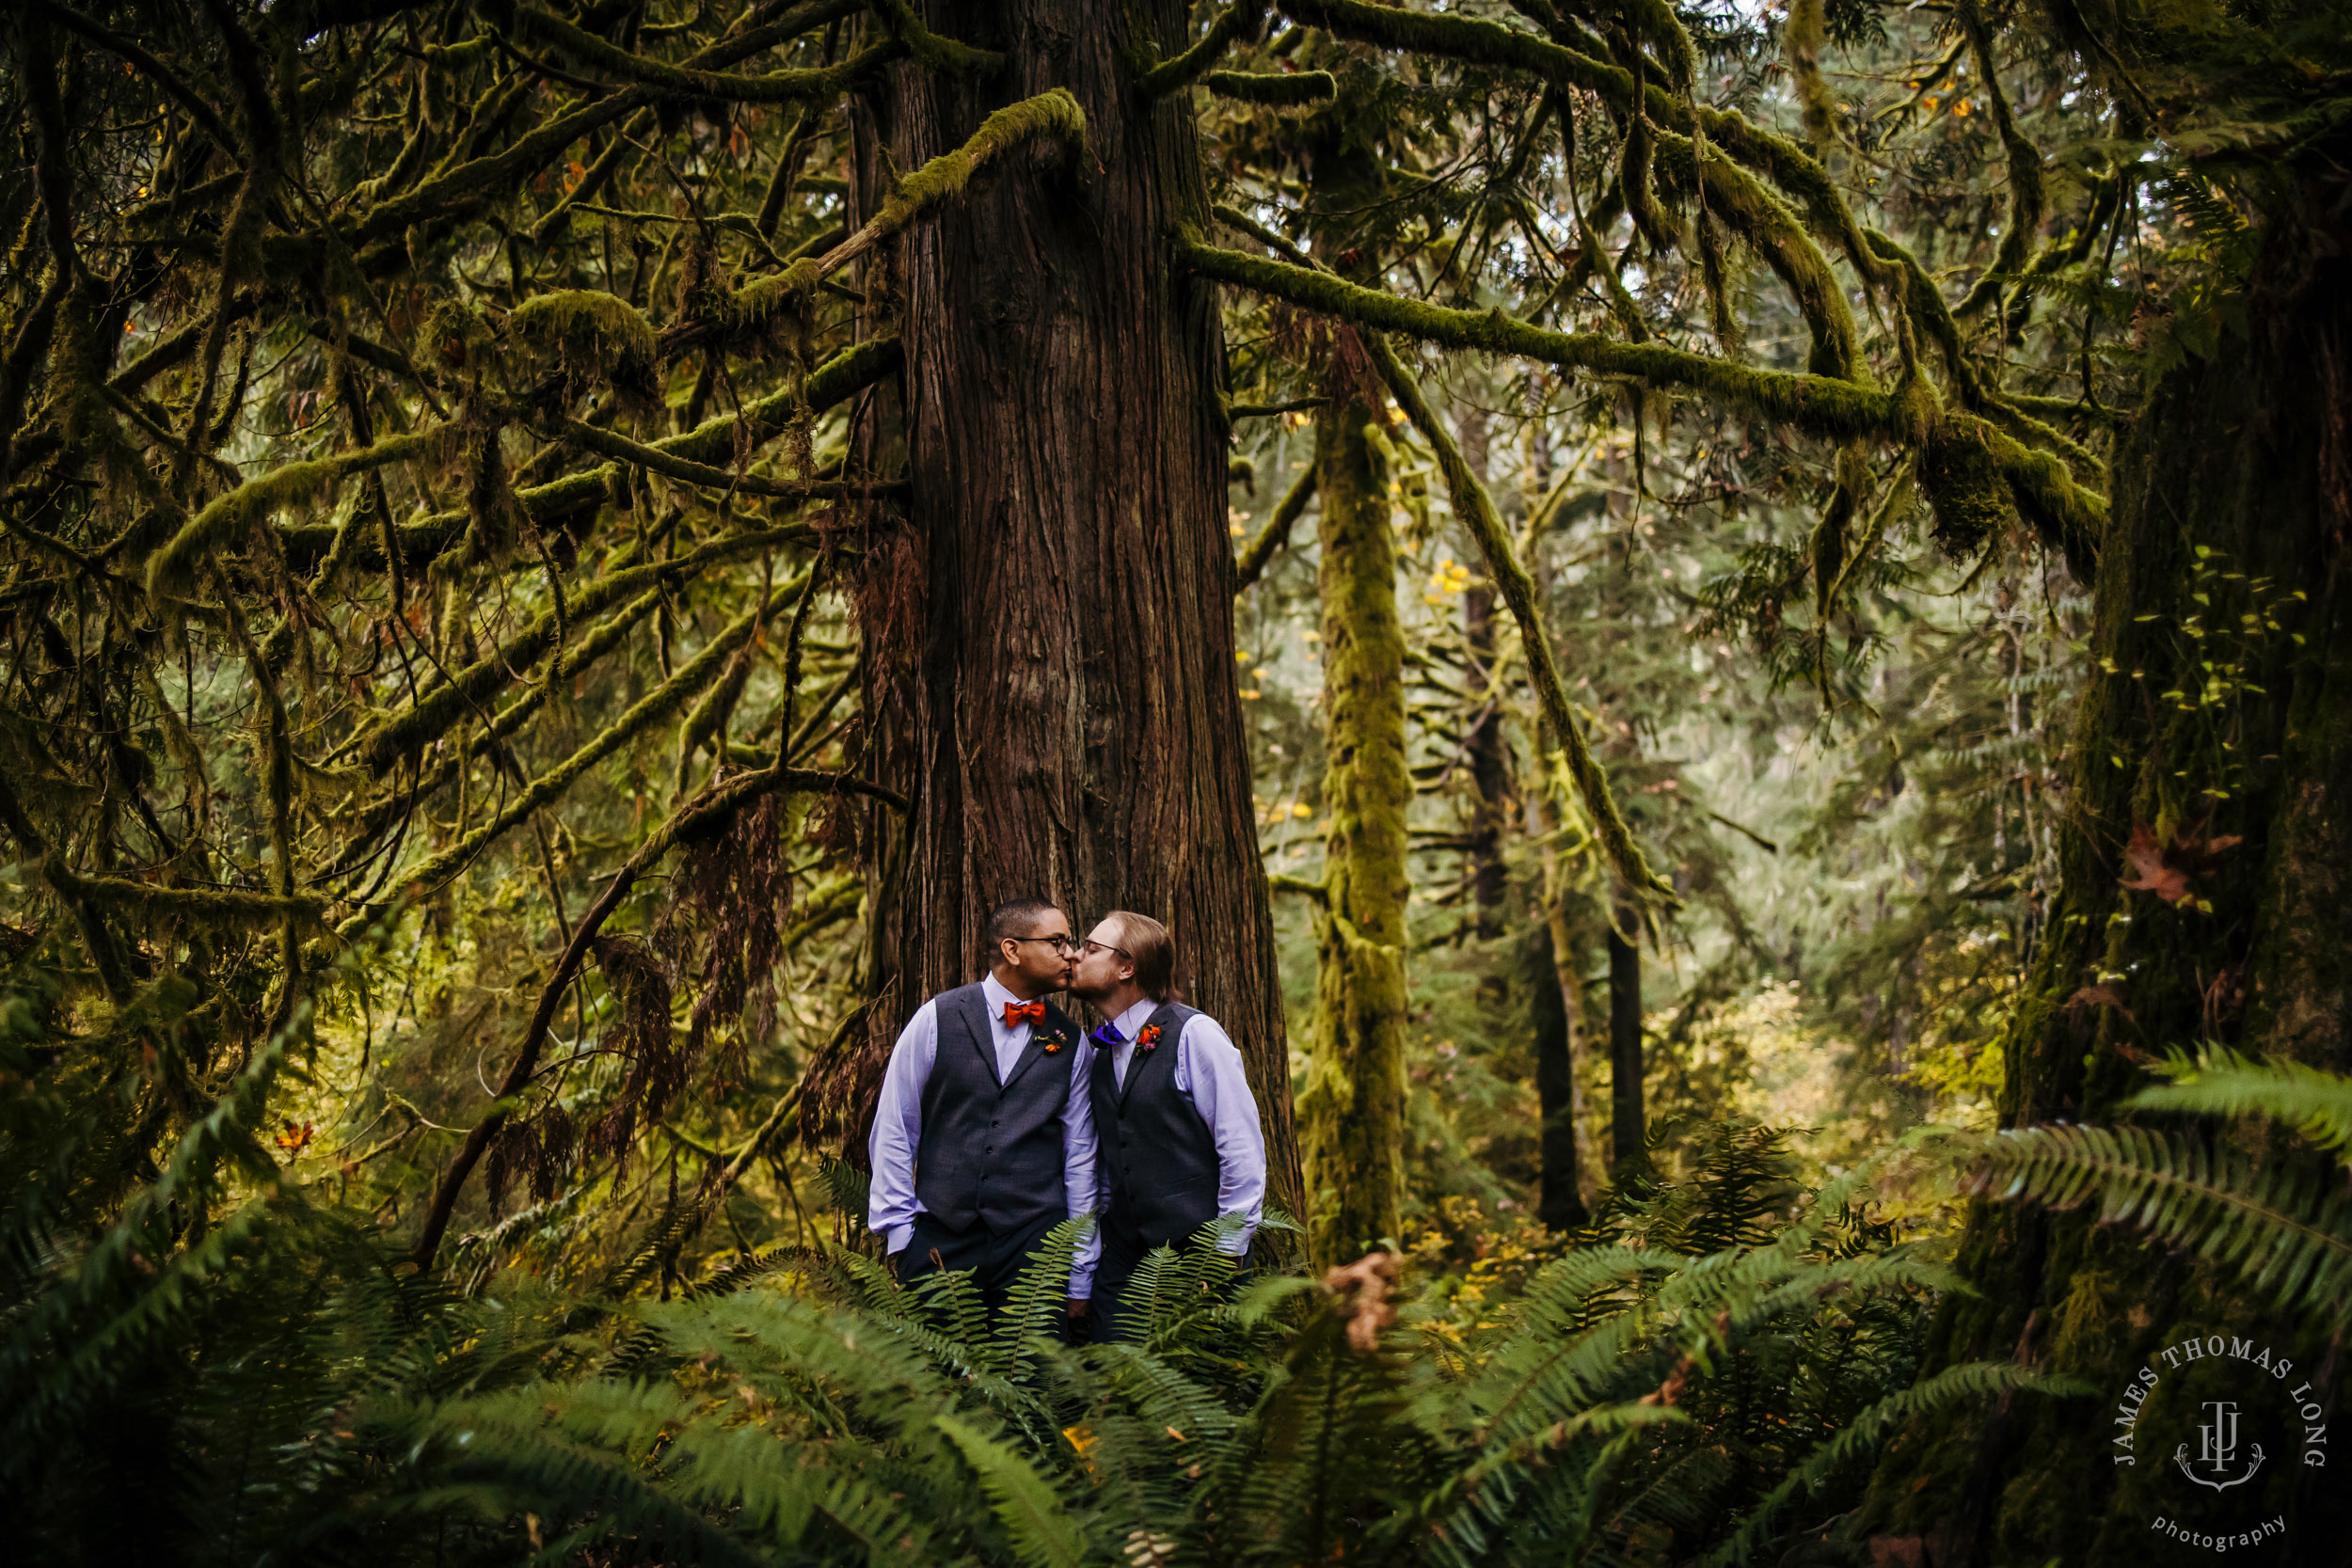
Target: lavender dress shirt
<point>891,1204</point>
<point>1209,1071</point>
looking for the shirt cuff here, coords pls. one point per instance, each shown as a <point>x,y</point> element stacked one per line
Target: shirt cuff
<point>895,1240</point>
<point>1082,1282</point>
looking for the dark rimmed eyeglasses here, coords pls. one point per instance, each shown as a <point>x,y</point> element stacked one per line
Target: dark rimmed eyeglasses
<point>1062,945</point>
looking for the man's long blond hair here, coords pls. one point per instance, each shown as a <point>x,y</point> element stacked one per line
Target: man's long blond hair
<point>1149,948</point>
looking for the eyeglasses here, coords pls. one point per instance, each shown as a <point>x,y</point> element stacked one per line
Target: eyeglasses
<point>1062,945</point>
<point>1090,945</point>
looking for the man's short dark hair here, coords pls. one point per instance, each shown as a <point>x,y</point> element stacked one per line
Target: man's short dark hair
<point>1015,917</point>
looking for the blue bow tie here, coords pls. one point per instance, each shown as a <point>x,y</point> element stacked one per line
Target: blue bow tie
<point>1108,1038</point>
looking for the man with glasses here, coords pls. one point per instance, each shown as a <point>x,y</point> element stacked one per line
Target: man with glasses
<point>1180,1140</point>
<point>984,1139</point>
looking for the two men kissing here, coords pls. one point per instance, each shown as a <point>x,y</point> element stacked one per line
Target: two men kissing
<point>1000,1118</point>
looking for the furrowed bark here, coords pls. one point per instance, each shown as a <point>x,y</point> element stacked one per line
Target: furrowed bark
<point>1041,681</point>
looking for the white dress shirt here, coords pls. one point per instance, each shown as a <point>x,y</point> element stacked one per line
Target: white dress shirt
<point>891,1204</point>
<point>1209,1072</point>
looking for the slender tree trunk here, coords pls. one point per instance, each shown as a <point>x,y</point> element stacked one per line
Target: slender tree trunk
<point>1051,660</point>
<point>1625,1046</point>
<point>2233,497</point>
<point>1351,1113</point>
<point>1554,1007</point>
<point>1489,761</point>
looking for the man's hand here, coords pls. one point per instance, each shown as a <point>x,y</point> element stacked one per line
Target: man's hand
<point>1079,1308</point>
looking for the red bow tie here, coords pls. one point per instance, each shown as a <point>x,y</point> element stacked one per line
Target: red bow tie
<point>1018,1013</point>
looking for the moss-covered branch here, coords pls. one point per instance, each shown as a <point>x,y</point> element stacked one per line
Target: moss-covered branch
<point>201,907</point>
<point>173,568</point>
<point>1820,404</point>
<point>648,710</point>
<point>696,818</point>
<point>1238,21</point>
<point>1462,38</point>
<point>1277,532</point>
<point>1274,89</point>
<point>438,707</point>
<point>2024,166</point>
<point>1052,115</point>
<point>1475,507</point>
<point>775,86</point>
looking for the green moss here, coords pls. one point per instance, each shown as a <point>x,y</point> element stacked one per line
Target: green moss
<point>1773,232</point>
<point>648,710</point>
<point>1807,33</point>
<point>1167,76</point>
<point>1465,38</point>
<point>1964,488</point>
<point>776,86</point>
<point>1820,404</point>
<point>173,568</point>
<point>588,338</point>
<point>1052,115</point>
<point>212,907</point>
<point>2024,166</point>
<point>1276,89</point>
<point>1351,1109</point>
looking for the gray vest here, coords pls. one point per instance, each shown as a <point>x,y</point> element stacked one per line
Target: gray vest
<point>991,1151</point>
<point>1156,1152</point>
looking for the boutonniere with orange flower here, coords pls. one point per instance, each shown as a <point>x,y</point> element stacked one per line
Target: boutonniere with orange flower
<point>1054,1041</point>
<point>1148,1037</point>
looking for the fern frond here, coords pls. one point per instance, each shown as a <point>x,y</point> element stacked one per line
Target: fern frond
<point>2317,1103</point>
<point>2284,1231</point>
<point>1038,1302</point>
<point>1031,1510</point>
<point>1969,1380</point>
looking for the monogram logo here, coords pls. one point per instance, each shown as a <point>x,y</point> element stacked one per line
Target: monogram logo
<point>2217,1449</point>
<point>2222,1404</point>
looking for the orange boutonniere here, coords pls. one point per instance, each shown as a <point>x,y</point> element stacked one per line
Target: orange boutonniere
<point>1148,1037</point>
<point>1053,1042</point>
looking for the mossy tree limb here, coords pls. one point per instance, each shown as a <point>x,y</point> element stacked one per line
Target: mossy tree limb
<point>1475,507</point>
<point>1251,564</point>
<point>1051,116</point>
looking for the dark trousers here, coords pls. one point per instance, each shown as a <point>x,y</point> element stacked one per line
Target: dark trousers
<point>995,1259</point>
<point>1123,1251</point>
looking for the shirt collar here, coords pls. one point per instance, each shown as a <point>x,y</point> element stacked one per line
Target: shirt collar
<point>993,990</point>
<point>1135,1017</point>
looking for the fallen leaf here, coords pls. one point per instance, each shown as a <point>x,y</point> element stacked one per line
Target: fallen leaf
<point>2149,872</point>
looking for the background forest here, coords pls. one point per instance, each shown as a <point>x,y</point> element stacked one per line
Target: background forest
<point>1716,626</point>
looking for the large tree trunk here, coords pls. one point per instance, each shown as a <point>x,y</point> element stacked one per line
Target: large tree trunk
<point>2234,483</point>
<point>1051,668</point>
<point>1351,1110</point>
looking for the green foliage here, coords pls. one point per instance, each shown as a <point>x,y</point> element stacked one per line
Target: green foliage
<point>2277,1220</point>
